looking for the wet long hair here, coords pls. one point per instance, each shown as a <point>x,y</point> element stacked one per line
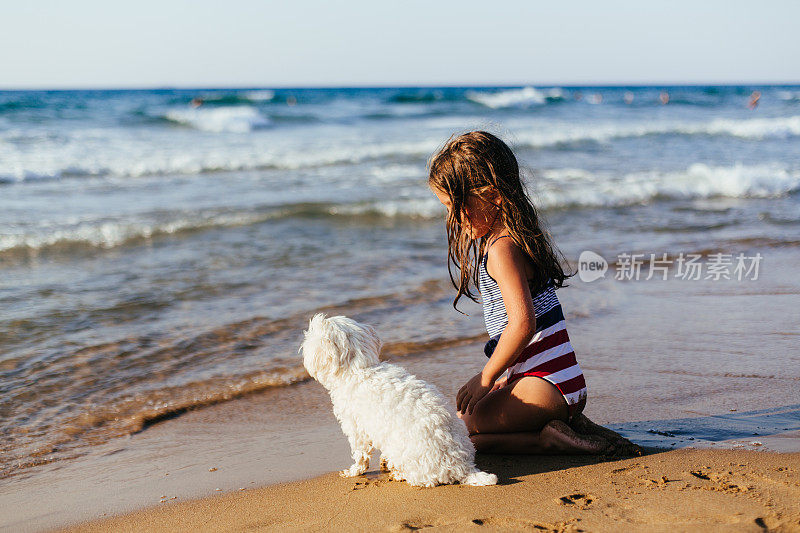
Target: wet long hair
<point>478,163</point>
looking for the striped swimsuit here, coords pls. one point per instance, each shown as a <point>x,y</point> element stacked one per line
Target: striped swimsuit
<point>549,354</point>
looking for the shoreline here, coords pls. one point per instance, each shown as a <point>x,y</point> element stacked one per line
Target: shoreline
<point>708,490</point>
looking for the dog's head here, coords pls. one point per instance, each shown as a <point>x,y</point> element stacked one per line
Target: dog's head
<point>336,344</point>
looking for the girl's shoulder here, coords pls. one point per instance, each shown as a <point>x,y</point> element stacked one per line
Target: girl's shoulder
<point>505,250</point>
<point>503,242</point>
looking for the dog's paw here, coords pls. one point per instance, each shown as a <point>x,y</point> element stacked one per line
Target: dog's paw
<point>353,471</point>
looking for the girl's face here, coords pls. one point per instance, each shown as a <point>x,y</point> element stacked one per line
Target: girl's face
<point>480,215</point>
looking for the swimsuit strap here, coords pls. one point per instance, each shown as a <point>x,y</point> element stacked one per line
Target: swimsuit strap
<point>497,239</point>
<point>486,252</point>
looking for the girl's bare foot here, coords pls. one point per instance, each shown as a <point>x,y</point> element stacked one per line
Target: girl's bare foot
<point>621,446</point>
<point>558,437</point>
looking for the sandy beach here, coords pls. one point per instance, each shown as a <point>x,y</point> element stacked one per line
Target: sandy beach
<point>681,490</point>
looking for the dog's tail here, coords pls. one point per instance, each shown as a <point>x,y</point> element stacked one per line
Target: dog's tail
<point>480,479</point>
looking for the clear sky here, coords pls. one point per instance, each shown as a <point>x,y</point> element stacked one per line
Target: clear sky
<point>156,43</point>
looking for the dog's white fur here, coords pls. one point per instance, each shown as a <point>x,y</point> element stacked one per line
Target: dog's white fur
<point>380,405</point>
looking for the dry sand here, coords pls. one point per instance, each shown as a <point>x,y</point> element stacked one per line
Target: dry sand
<point>679,490</point>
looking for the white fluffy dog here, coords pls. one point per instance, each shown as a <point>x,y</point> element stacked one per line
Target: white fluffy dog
<point>380,405</point>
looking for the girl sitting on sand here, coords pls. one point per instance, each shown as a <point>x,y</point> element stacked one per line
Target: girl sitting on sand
<point>495,239</point>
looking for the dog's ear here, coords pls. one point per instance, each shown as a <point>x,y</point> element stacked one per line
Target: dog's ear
<point>317,321</point>
<point>315,352</point>
<point>327,349</point>
<point>338,347</point>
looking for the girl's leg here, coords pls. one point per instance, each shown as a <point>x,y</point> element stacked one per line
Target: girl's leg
<point>556,437</point>
<point>527,416</point>
<point>581,424</point>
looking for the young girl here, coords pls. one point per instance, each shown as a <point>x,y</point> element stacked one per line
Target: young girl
<point>495,240</point>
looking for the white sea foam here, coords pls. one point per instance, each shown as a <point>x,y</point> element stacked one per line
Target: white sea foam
<point>410,207</point>
<point>393,173</point>
<point>514,97</point>
<point>109,233</point>
<point>553,188</point>
<point>562,133</point>
<point>789,95</point>
<point>577,187</point>
<point>125,156</point>
<point>754,128</point>
<point>96,152</point>
<point>263,95</point>
<point>241,119</point>
<point>112,233</point>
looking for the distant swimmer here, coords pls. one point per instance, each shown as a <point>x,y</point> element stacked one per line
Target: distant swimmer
<point>291,100</point>
<point>197,102</point>
<point>755,96</point>
<point>628,97</point>
<point>595,98</point>
<point>664,97</point>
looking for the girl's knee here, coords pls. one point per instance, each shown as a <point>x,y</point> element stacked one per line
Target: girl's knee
<point>481,443</point>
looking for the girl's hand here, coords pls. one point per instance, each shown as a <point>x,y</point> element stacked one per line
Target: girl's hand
<point>471,393</point>
<point>501,382</point>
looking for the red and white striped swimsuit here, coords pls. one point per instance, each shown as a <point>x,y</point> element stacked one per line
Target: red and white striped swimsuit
<point>549,355</point>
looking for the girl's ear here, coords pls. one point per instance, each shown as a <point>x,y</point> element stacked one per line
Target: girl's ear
<point>495,197</point>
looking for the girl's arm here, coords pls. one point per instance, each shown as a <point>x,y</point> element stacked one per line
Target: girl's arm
<point>507,263</point>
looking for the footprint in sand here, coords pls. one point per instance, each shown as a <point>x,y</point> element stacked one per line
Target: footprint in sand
<point>493,523</point>
<point>501,523</point>
<point>410,526</point>
<point>578,500</point>
<point>364,483</point>
<point>700,475</point>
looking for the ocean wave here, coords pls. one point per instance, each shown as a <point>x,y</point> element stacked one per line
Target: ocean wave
<point>107,234</point>
<point>553,188</point>
<point>219,119</point>
<point>112,233</point>
<point>98,423</point>
<point>754,128</point>
<point>146,161</point>
<point>791,96</point>
<point>260,95</point>
<point>524,97</point>
<point>562,188</point>
<point>71,158</point>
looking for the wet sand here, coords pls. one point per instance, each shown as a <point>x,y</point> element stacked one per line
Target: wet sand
<point>660,353</point>
<point>697,490</point>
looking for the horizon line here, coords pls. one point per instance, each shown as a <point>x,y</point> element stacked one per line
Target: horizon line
<point>401,86</point>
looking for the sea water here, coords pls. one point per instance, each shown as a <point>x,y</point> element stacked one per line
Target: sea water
<point>162,250</point>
